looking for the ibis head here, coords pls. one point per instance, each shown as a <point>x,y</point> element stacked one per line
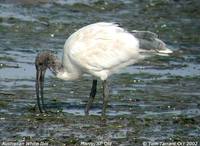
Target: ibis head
<point>44,61</point>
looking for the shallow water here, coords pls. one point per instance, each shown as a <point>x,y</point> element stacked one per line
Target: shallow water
<point>156,100</point>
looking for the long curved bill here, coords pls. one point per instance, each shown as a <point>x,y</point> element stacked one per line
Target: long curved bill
<point>39,89</point>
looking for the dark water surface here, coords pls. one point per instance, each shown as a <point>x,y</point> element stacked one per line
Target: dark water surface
<point>157,100</point>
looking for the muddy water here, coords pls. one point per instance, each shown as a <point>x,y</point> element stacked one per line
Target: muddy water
<point>157,100</point>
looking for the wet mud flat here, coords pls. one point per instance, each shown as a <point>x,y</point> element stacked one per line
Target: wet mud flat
<point>134,116</point>
<point>157,100</point>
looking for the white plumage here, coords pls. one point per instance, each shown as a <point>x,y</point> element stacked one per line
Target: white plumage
<point>99,49</point>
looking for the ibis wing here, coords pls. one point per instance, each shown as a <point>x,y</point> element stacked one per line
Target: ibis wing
<point>101,57</point>
<point>103,47</point>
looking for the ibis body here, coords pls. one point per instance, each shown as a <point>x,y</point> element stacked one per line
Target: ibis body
<point>98,49</point>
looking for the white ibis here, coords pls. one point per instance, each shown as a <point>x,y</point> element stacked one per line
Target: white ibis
<point>98,49</point>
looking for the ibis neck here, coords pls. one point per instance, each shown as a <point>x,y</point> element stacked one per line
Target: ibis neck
<point>60,72</point>
<point>55,67</point>
<point>64,75</point>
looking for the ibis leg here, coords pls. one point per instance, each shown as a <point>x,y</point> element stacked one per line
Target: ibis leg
<point>105,97</point>
<point>92,96</point>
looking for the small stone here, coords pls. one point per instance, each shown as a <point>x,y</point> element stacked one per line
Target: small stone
<point>2,118</point>
<point>163,26</point>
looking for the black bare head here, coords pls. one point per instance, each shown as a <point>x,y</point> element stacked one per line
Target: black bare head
<point>44,61</point>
